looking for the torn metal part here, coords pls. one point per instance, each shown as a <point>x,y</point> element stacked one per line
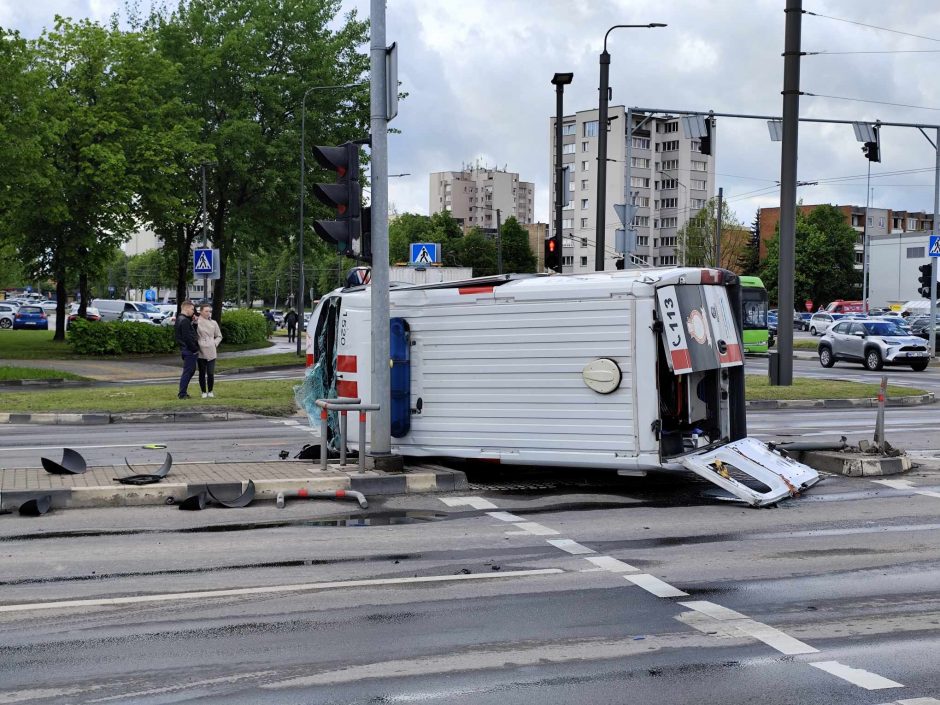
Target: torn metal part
<point>146,479</point>
<point>195,502</point>
<point>242,500</point>
<point>337,494</point>
<point>72,463</point>
<point>37,506</point>
<point>795,446</point>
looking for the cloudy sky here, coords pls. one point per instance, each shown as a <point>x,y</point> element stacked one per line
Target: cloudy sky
<point>478,73</point>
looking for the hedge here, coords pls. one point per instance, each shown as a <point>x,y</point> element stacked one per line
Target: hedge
<point>117,338</point>
<point>243,326</point>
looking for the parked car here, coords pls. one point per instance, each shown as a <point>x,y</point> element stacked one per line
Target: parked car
<point>920,327</point>
<point>821,321</point>
<point>48,306</point>
<point>91,313</point>
<point>801,320</point>
<point>30,317</point>
<point>874,343</point>
<point>150,311</point>
<point>7,314</point>
<point>900,322</point>
<point>772,323</point>
<point>137,317</point>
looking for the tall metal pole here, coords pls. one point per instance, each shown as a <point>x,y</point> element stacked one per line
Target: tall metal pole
<point>603,91</point>
<point>933,260</point>
<point>499,244</point>
<point>300,230</point>
<point>559,169</point>
<point>788,160</point>
<point>381,393</point>
<point>721,194</point>
<point>866,239</point>
<point>205,236</point>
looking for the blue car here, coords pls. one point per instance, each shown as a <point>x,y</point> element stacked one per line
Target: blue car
<point>32,317</point>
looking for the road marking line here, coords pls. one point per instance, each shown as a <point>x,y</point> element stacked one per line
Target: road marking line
<point>475,502</point>
<point>895,484</point>
<point>612,564</point>
<point>856,676</point>
<point>918,701</point>
<point>530,527</point>
<point>274,589</point>
<point>59,447</point>
<point>652,584</point>
<point>774,638</point>
<point>504,516</point>
<point>570,546</point>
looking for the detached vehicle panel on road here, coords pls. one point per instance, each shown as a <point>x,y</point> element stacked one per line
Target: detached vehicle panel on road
<point>873,343</point>
<point>628,371</point>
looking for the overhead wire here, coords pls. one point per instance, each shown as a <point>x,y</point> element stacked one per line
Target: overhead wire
<point>872,26</point>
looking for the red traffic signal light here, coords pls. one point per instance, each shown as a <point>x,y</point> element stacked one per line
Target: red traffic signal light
<point>553,254</point>
<point>346,231</point>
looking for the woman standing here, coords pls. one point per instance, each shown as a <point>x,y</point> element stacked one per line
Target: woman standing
<point>209,336</point>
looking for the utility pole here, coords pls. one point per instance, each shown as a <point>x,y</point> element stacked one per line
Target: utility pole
<point>559,80</point>
<point>381,355</point>
<point>933,260</point>
<point>721,193</point>
<point>499,243</point>
<point>238,296</point>
<point>788,160</point>
<point>248,285</point>
<point>205,237</point>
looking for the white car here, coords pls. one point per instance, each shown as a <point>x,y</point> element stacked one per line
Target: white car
<point>7,314</point>
<point>48,306</point>
<point>136,317</point>
<point>821,321</point>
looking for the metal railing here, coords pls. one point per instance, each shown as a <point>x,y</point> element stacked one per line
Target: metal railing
<point>343,405</point>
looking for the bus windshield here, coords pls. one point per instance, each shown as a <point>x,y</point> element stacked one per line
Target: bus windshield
<point>754,303</point>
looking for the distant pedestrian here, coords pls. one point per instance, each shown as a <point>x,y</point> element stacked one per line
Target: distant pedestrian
<point>186,338</point>
<point>291,318</point>
<point>268,316</point>
<point>209,335</point>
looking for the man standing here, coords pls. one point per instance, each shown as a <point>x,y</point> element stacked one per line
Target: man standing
<point>290,319</point>
<point>188,341</point>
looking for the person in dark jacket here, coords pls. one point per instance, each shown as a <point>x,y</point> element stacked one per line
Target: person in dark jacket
<point>188,341</point>
<point>290,319</point>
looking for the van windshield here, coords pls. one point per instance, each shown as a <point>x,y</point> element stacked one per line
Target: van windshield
<point>149,308</point>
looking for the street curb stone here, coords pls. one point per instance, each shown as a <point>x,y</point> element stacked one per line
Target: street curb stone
<point>854,464</point>
<point>866,403</point>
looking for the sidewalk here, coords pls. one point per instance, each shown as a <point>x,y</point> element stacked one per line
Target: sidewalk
<point>97,488</point>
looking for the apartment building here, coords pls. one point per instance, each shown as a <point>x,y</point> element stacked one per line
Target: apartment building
<point>670,181</point>
<point>474,194</point>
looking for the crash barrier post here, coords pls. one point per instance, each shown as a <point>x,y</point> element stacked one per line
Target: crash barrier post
<point>343,405</point>
<point>880,420</point>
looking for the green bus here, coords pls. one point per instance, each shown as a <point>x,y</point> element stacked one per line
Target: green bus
<point>754,304</point>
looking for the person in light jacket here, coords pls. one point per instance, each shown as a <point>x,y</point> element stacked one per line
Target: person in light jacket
<point>209,336</point>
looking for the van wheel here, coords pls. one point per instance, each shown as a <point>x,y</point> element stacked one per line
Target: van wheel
<point>873,360</point>
<point>919,366</point>
<point>813,331</point>
<point>825,358</point>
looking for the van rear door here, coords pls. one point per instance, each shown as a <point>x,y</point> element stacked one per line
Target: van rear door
<point>698,328</point>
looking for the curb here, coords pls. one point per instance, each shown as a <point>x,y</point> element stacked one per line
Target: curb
<point>55,382</point>
<point>867,403</point>
<point>855,464</point>
<point>419,479</point>
<point>102,419</point>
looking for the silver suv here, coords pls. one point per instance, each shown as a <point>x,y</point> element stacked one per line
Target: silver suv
<point>874,344</point>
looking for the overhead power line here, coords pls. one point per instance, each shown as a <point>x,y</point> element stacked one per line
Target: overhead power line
<point>865,100</point>
<point>883,51</point>
<point>872,26</point>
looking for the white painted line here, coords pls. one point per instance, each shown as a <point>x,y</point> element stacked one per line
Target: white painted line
<point>570,546</point>
<point>652,584</point>
<point>713,610</point>
<point>856,676</point>
<point>530,527</point>
<point>59,447</point>
<point>612,564</point>
<point>505,516</point>
<point>774,638</point>
<point>475,502</point>
<point>273,589</point>
<point>895,484</point>
<point>928,493</point>
<point>918,701</point>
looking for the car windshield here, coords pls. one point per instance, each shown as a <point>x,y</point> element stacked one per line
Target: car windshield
<point>883,328</point>
<point>149,308</point>
<point>30,309</point>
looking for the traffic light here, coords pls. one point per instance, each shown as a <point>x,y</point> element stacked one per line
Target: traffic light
<point>553,254</point>
<point>705,141</point>
<point>345,232</point>
<point>872,150</point>
<point>924,280</point>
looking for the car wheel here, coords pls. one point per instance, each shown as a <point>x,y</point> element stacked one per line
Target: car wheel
<point>5,323</point>
<point>813,331</point>
<point>919,366</point>
<point>873,360</point>
<point>825,358</point>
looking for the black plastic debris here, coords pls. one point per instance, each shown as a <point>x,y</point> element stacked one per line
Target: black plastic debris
<point>72,463</point>
<point>37,506</point>
<point>143,478</point>
<point>283,455</point>
<point>242,500</point>
<point>195,502</point>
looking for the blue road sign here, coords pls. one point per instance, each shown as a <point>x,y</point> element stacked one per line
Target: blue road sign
<point>111,290</point>
<point>202,262</point>
<point>934,246</point>
<point>150,295</point>
<point>425,253</point>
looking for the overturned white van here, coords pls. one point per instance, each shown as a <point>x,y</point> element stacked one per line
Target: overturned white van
<point>626,370</point>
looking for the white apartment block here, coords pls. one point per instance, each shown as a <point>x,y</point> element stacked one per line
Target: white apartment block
<point>474,194</point>
<point>670,179</point>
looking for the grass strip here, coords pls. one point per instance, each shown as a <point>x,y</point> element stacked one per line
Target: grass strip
<point>273,360</point>
<point>758,388</point>
<point>268,398</point>
<point>10,373</point>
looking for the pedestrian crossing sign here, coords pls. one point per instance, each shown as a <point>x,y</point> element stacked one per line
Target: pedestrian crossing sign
<point>206,263</point>
<point>424,254</point>
<point>935,245</point>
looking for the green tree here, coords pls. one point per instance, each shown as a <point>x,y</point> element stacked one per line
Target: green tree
<point>245,65</point>
<point>749,259</point>
<point>154,268</point>
<point>407,228</point>
<point>825,258</point>
<point>478,251</point>
<point>696,239</point>
<point>517,255</point>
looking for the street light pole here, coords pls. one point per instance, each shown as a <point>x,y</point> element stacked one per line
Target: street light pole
<point>300,232</point>
<point>603,90</point>
<point>559,80</point>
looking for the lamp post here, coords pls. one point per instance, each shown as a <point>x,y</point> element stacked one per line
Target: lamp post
<point>559,80</point>
<point>300,233</point>
<point>603,90</point>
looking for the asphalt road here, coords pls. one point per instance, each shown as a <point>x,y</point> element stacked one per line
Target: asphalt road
<point>527,589</point>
